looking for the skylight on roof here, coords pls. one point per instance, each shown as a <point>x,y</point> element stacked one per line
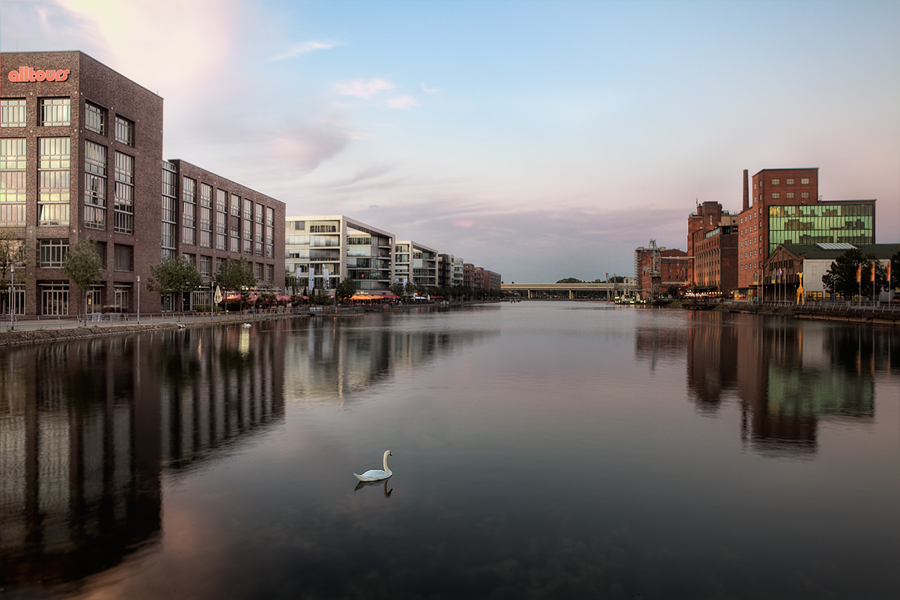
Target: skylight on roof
<point>840,246</point>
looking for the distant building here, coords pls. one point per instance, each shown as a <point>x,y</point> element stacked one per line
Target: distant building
<point>323,250</point>
<point>657,269</point>
<point>713,248</point>
<point>416,262</point>
<point>457,273</point>
<point>469,275</point>
<point>781,271</point>
<point>783,207</point>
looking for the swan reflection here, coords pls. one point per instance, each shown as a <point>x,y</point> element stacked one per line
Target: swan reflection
<point>383,482</point>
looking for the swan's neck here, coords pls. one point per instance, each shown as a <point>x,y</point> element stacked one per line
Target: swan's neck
<point>386,469</point>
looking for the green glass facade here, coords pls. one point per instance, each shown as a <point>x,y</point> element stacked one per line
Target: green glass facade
<point>821,223</point>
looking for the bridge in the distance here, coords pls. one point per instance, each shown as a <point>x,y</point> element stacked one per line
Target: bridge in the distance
<point>572,290</point>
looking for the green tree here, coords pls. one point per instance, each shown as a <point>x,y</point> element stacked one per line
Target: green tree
<point>570,280</point>
<point>345,289</point>
<point>841,278</point>
<point>397,289</point>
<point>14,254</point>
<point>236,276</point>
<point>83,266</point>
<point>174,275</point>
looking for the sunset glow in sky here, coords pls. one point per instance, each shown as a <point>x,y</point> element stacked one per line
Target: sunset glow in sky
<point>538,139</point>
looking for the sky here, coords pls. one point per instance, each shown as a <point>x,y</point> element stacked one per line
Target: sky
<point>537,139</point>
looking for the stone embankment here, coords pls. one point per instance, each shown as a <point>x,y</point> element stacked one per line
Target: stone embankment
<point>828,311</point>
<point>30,332</point>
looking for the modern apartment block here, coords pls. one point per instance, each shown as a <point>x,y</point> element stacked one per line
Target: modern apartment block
<point>445,269</point>
<point>456,276</point>
<point>416,263</point>
<point>320,251</point>
<point>783,207</point>
<point>81,150</point>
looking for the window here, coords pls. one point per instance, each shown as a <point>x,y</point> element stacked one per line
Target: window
<point>789,181</point>
<point>12,113</point>
<point>804,181</point>
<point>188,210</point>
<point>124,205</point>
<point>124,256</point>
<point>54,298</point>
<point>775,195</point>
<point>270,273</point>
<point>221,201</point>
<point>124,131</point>
<point>789,195</point>
<point>55,112</point>
<point>53,175</point>
<point>52,253</point>
<point>804,195</point>
<point>169,177</point>
<point>12,182</point>
<point>205,266</point>
<point>206,195</point>
<point>235,206</point>
<point>94,185</point>
<point>248,210</point>
<point>776,181</point>
<point>94,118</point>
<point>187,222</point>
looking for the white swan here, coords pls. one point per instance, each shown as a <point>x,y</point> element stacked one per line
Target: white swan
<point>246,325</point>
<point>376,474</point>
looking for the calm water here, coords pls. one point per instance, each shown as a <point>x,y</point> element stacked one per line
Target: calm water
<point>545,450</point>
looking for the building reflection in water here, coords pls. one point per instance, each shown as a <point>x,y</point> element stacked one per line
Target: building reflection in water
<point>331,361</point>
<point>786,376</point>
<point>88,427</point>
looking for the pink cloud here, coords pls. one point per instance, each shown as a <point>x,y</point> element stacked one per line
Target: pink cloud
<point>363,89</point>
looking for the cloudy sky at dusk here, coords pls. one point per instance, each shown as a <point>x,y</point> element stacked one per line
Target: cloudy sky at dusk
<point>539,139</point>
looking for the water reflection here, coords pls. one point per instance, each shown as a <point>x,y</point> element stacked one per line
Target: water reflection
<point>332,361</point>
<point>87,428</point>
<point>786,377</point>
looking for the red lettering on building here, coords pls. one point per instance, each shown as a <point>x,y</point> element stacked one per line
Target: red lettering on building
<point>25,74</point>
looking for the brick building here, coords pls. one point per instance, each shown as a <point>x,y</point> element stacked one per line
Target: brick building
<point>81,150</point>
<point>713,246</point>
<point>657,269</point>
<point>783,207</point>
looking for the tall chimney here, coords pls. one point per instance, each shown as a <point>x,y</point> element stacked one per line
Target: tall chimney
<point>746,191</point>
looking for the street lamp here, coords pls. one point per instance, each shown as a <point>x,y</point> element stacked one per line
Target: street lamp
<point>12,303</point>
<point>139,299</point>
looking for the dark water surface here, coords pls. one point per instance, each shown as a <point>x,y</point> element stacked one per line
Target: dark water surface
<point>540,450</point>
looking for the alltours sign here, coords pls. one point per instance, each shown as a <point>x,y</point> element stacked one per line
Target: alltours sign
<point>25,74</point>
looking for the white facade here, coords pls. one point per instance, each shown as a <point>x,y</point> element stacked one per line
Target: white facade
<point>416,263</point>
<point>326,249</point>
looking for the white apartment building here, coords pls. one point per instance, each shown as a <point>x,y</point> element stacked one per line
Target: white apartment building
<point>456,273</point>
<point>416,263</point>
<point>326,249</point>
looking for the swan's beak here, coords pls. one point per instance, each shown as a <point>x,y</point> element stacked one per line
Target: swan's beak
<point>390,453</point>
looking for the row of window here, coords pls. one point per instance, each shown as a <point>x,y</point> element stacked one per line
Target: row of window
<point>54,173</point>
<point>57,112</point>
<point>788,181</point>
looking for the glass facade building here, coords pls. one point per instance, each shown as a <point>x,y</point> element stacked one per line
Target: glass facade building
<point>851,223</point>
